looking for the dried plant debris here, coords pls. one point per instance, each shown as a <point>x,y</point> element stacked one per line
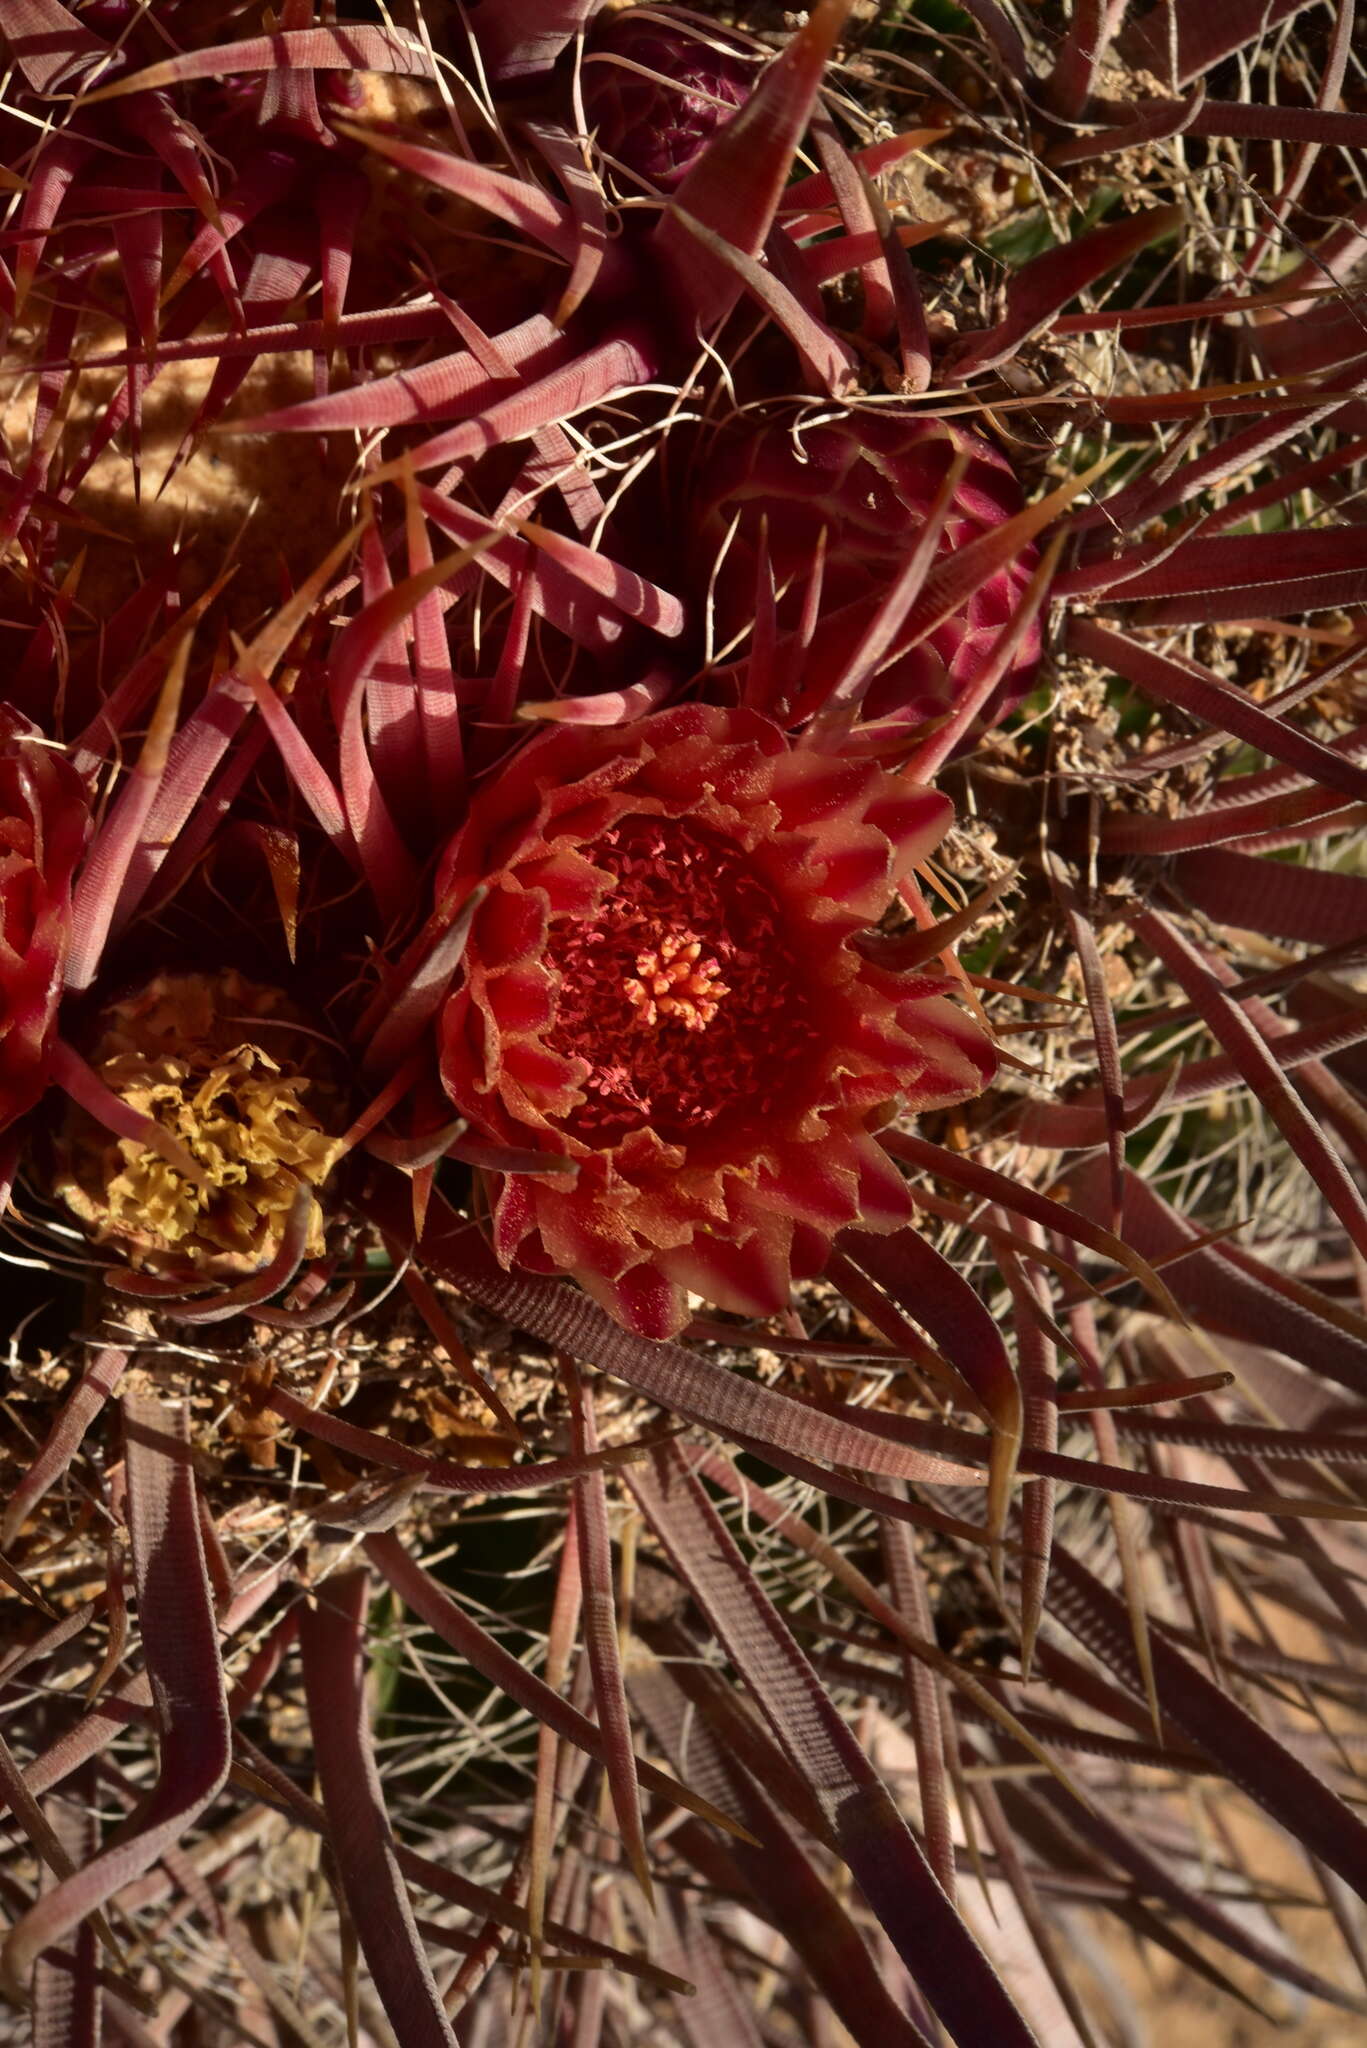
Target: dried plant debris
<point>682,942</point>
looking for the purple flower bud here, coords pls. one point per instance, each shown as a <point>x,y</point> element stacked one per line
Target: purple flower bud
<point>859,490</point>
<point>656,125</point>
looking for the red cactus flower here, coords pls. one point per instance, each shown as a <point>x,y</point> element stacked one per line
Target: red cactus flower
<point>43,823</point>
<point>854,495</point>
<point>664,994</point>
<point>656,125</point>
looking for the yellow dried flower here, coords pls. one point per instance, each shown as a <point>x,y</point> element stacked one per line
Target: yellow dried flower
<point>257,1118</point>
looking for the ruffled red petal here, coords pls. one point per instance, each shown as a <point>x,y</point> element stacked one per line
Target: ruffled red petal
<point>44,821</point>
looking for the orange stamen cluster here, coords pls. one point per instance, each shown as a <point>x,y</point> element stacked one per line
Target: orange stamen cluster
<point>674,980</point>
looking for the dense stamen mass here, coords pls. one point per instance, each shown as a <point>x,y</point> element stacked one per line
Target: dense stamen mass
<point>182,1053</point>
<point>679,992</point>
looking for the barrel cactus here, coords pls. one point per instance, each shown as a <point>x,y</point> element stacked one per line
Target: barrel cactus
<point>680,1045</point>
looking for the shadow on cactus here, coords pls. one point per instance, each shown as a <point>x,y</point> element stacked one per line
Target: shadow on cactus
<point>688,1066</point>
